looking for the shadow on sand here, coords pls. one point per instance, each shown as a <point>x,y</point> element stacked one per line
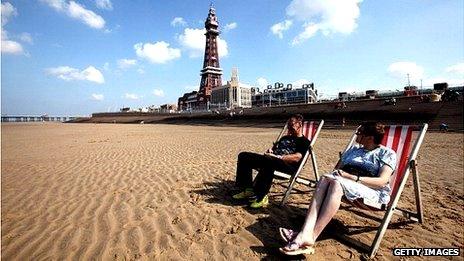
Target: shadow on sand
<point>290,216</point>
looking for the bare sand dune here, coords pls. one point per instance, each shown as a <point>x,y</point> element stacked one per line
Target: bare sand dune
<point>87,191</point>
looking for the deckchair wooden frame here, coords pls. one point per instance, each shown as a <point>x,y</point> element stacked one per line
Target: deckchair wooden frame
<point>309,153</point>
<point>391,208</point>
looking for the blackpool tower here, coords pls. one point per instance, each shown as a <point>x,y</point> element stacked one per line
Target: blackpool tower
<point>211,72</point>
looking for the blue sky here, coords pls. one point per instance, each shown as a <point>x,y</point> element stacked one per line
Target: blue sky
<point>64,57</point>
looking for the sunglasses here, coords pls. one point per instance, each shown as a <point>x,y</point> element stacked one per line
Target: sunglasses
<point>294,122</point>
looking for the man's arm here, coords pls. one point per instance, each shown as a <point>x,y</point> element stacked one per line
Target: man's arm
<point>302,147</point>
<point>292,158</point>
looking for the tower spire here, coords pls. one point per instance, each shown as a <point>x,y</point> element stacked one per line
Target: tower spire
<point>211,72</point>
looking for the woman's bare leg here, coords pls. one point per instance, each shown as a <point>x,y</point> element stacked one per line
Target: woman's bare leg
<point>329,208</point>
<point>306,235</point>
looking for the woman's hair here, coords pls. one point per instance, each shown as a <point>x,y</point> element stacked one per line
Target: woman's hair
<point>375,129</point>
<point>297,117</point>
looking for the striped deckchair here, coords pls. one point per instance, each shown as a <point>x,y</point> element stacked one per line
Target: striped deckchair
<point>398,138</point>
<point>311,131</point>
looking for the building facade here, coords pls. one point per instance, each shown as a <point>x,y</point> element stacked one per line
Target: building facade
<point>188,102</point>
<point>280,95</point>
<point>231,95</point>
<point>168,108</point>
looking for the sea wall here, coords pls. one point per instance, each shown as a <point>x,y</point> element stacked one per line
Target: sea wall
<point>407,110</point>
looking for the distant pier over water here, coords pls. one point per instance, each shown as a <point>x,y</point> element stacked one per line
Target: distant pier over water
<point>34,118</point>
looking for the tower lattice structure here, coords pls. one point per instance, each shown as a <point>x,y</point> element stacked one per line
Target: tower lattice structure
<point>211,72</point>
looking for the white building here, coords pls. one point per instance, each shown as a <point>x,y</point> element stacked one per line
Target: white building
<point>280,95</point>
<point>231,95</point>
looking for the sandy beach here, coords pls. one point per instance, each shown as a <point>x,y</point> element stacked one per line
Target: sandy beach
<point>161,192</point>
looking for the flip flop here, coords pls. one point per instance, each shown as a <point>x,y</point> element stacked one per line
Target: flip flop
<point>293,249</point>
<point>287,234</point>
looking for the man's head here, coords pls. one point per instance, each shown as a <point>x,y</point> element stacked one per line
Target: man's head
<point>294,124</point>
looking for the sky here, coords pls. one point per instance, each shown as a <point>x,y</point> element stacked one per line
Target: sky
<point>74,58</point>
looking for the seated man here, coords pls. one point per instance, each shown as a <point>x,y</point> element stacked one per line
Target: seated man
<point>285,156</point>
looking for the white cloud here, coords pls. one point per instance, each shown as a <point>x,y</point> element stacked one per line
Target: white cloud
<point>262,82</point>
<point>58,5</point>
<point>8,11</point>
<point>223,51</point>
<point>327,16</point>
<point>158,52</point>
<point>230,26</point>
<point>90,18</point>
<point>141,71</point>
<point>131,96</point>
<point>178,21</point>
<point>93,74</point>
<point>104,4</point>
<point>158,92</point>
<point>26,37</point>
<point>457,68</point>
<point>97,97</point>
<point>126,63</point>
<point>70,74</point>
<point>9,46</point>
<point>78,12</point>
<point>400,70</point>
<point>309,31</point>
<point>193,41</point>
<point>281,27</point>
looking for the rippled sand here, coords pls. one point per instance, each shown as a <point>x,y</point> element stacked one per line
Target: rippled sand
<point>87,191</point>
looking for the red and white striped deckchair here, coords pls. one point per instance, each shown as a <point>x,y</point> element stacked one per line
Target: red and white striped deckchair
<point>399,139</point>
<point>311,131</point>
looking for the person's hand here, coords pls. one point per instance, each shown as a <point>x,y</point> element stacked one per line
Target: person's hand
<point>270,150</point>
<point>339,172</point>
<point>269,154</point>
<point>346,175</point>
<point>273,155</point>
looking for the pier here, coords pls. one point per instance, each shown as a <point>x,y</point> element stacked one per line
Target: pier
<point>29,118</point>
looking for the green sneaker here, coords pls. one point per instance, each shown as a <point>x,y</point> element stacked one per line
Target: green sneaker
<point>259,204</point>
<point>244,194</point>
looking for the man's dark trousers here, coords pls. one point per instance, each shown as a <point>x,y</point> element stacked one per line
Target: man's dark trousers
<point>266,165</point>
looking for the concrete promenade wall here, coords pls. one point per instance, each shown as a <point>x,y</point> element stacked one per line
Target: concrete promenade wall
<point>408,110</point>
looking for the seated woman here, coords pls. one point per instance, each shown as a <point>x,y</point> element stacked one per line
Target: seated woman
<point>363,173</point>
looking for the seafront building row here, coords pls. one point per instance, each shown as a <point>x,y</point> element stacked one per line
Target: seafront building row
<point>235,94</point>
<point>213,95</point>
